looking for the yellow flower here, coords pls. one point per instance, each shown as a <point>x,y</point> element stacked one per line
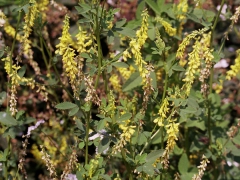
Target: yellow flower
<point>193,67</point>
<point>182,8</point>
<point>115,83</point>
<point>8,28</point>
<point>27,28</point>
<point>172,131</point>
<point>186,41</point>
<point>128,130</point>
<point>83,41</point>
<point>234,68</point>
<point>162,113</point>
<point>169,29</point>
<point>64,49</point>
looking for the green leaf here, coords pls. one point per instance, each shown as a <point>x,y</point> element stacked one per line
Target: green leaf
<point>124,117</point>
<point>80,125</point>
<point>143,137</point>
<point>120,22</point>
<point>120,65</point>
<point>73,111</point>
<point>22,71</point>
<point>19,114</point>
<point>154,80</point>
<point>140,9</point>
<point>104,144</point>
<point>3,155</point>
<point>161,5</point>
<point>109,69</point>
<point>7,119</point>
<point>101,124</point>
<point>183,163</point>
<point>65,105</point>
<point>81,145</point>
<point>197,124</point>
<point>134,81</point>
<point>29,120</point>
<point>3,96</point>
<point>126,31</point>
<point>152,156</point>
<point>154,6</point>
<point>104,176</point>
<point>110,37</point>
<point>177,67</point>
<point>177,150</point>
<point>147,168</point>
<point>139,159</point>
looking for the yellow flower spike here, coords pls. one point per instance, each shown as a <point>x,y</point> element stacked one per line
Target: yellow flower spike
<point>115,83</point>
<point>27,28</point>
<point>182,7</point>
<point>83,41</point>
<point>193,67</point>
<point>186,41</point>
<point>235,69</point>
<point>69,63</point>
<point>162,113</point>
<point>8,28</point>
<point>169,29</point>
<point>172,131</point>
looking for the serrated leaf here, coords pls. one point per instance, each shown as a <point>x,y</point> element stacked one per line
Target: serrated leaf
<point>120,22</point>
<point>120,65</point>
<point>101,124</point>
<point>7,119</point>
<point>134,81</point>
<point>153,6</point>
<point>176,67</point>
<point>152,156</point>
<point>126,31</point>
<point>73,111</point>
<point>80,125</point>
<point>65,105</point>
<point>124,117</point>
<point>197,124</point>
<point>183,163</point>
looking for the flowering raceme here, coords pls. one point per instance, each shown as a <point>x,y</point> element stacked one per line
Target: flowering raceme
<point>162,113</point>
<point>64,49</point>
<point>8,28</point>
<point>169,29</point>
<point>234,68</point>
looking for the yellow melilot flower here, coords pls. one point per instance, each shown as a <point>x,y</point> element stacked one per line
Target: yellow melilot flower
<point>115,83</point>
<point>42,6</point>
<point>83,41</point>
<point>136,45</point>
<point>125,72</point>
<point>186,41</point>
<point>64,49</point>
<point>172,131</point>
<point>8,28</point>
<point>168,28</point>
<point>182,8</point>
<point>142,32</point>
<point>162,113</point>
<point>234,68</point>
<point>127,129</point>
<point>27,28</point>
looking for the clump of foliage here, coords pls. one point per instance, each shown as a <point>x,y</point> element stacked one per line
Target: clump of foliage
<point>88,94</point>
